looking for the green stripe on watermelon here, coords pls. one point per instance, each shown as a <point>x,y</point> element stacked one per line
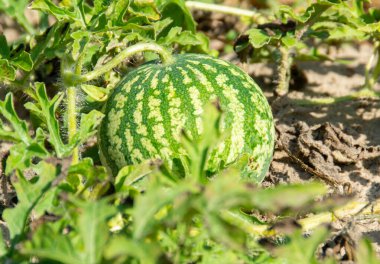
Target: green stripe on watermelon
<point>148,109</point>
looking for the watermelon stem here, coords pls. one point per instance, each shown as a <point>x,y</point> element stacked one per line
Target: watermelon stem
<point>353,210</point>
<point>361,94</point>
<point>234,11</point>
<point>165,56</point>
<point>72,110</point>
<point>372,72</point>
<point>284,71</point>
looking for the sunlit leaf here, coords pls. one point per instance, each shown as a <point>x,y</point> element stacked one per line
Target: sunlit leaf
<point>30,195</point>
<point>7,72</point>
<point>258,37</point>
<point>23,61</point>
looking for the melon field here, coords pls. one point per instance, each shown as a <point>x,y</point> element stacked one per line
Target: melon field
<point>173,131</point>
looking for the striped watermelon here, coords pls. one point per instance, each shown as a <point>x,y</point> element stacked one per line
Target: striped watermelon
<point>148,109</point>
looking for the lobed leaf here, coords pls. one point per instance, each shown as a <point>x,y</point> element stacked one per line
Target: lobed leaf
<point>258,37</point>
<point>23,61</point>
<point>283,196</point>
<point>7,72</point>
<point>93,229</point>
<point>61,13</point>
<point>19,127</point>
<point>31,195</point>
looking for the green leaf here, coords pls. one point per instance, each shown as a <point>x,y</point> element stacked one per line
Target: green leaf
<point>160,25</point>
<point>132,174</point>
<point>313,11</point>
<point>60,13</point>
<point>339,31</point>
<point>96,93</point>
<point>371,28</point>
<point>198,150</point>
<point>23,61</point>
<point>81,39</point>
<point>88,170</point>
<point>121,248</point>
<point>187,38</point>
<point>149,204</point>
<point>27,148</point>
<point>93,229</point>
<point>47,109</point>
<point>7,72</point>
<point>30,195</point>
<point>7,134</point>
<point>178,12</point>
<point>175,35</point>
<point>289,41</point>
<point>171,35</point>
<point>84,244</point>
<point>101,5</point>
<point>49,41</point>
<point>258,37</point>
<point>300,249</point>
<point>3,247</point>
<point>366,254</point>
<point>118,11</point>
<point>20,127</point>
<point>4,48</point>
<point>284,196</point>
<point>49,243</point>
<point>144,8</point>
<point>21,156</point>
<point>88,124</point>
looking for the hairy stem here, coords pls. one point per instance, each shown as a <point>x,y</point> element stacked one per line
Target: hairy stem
<point>284,68</point>
<point>288,54</point>
<point>165,57</point>
<point>72,110</point>
<point>72,119</point>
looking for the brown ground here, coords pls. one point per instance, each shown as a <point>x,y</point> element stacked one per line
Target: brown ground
<point>341,141</point>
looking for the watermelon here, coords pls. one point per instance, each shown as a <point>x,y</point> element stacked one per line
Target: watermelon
<point>151,105</point>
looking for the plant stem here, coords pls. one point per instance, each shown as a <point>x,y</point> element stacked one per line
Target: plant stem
<point>254,15</point>
<point>72,110</point>
<point>368,70</point>
<point>165,57</point>
<point>361,94</point>
<point>72,119</point>
<point>371,77</point>
<point>288,54</point>
<point>353,210</point>
<point>284,73</point>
